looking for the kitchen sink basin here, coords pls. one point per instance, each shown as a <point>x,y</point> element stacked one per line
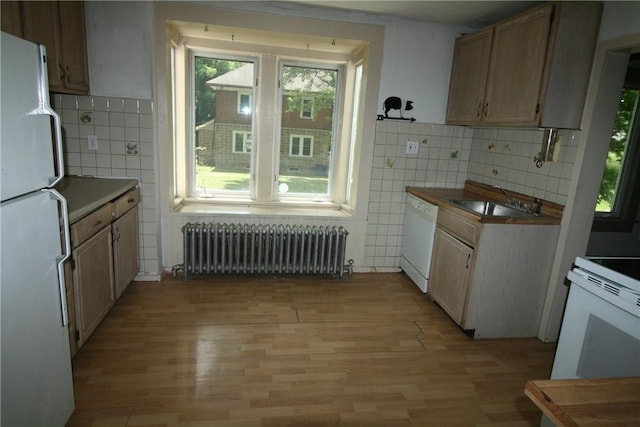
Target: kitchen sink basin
<point>489,208</point>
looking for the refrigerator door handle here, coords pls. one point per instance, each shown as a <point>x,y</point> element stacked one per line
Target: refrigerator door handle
<point>44,107</point>
<point>60,260</point>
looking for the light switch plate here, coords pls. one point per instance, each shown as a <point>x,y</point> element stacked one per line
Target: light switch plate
<point>92,142</point>
<point>412,147</point>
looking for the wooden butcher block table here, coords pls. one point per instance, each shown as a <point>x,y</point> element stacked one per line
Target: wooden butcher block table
<point>588,402</point>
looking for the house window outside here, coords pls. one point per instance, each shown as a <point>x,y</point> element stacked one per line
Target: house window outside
<point>244,103</point>
<point>241,142</point>
<point>306,109</point>
<point>301,146</point>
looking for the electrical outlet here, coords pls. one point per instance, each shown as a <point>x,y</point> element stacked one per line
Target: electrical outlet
<point>92,142</point>
<point>412,147</point>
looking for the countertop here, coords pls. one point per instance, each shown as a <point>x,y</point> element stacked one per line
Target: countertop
<point>588,402</point>
<point>551,212</point>
<point>86,194</point>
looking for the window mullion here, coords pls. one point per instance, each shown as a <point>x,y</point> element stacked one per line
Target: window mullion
<point>266,130</point>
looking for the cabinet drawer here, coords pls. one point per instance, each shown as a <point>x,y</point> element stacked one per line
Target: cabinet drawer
<point>461,227</point>
<point>126,202</point>
<point>91,224</point>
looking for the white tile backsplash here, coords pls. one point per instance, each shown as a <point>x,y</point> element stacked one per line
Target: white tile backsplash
<point>504,157</point>
<point>119,125</point>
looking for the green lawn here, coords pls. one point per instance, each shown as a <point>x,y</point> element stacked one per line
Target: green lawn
<point>208,178</point>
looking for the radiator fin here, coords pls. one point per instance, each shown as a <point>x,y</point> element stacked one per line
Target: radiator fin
<point>263,249</point>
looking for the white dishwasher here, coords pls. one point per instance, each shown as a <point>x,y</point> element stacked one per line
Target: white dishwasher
<point>417,240</point>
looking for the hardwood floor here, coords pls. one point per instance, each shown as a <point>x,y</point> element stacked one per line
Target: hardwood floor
<point>371,350</point>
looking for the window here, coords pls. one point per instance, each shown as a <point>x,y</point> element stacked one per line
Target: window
<point>301,146</point>
<point>620,187</point>
<point>306,109</point>
<point>244,103</point>
<point>224,117</point>
<point>241,142</point>
<point>241,95</point>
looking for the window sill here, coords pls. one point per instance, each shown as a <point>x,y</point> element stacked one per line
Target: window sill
<point>251,208</point>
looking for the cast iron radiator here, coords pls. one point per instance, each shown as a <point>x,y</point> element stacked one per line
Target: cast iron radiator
<point>263,249</point>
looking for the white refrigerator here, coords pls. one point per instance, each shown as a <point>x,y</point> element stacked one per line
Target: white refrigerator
<point>35,363</point>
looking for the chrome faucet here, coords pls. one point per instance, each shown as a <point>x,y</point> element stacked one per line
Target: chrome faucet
<point>538,204</point>
<point>510,200</point>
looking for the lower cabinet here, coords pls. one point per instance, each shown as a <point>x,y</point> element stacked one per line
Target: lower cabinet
<point>93,280</point>
<point>451,274</point>
<point>491,279</point>
<point>104,261</point>
<point>125,250</point>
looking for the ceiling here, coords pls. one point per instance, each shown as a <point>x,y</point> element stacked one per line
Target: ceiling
<point>471,13</point>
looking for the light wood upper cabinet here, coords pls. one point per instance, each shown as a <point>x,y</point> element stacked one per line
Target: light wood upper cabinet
<point>517,66</point>
<point>74,46</point>
<point>539,64</point>
<point>60,27</point>
<point>469,76</point>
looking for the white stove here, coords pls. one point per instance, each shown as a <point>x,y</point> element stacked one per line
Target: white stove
<point>617,280</point>
<point>600,335</point>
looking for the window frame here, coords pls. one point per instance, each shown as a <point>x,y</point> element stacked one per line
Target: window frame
<point>257,162</point>
<point>354,42</point>
<point>623,217</point>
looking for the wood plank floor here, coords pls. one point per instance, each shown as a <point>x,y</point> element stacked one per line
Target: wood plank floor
<point>370,350</point>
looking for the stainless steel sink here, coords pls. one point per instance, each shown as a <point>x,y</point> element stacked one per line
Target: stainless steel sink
<point>489,208</point>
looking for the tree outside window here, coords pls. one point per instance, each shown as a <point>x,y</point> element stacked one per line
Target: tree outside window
<point>618,161</point>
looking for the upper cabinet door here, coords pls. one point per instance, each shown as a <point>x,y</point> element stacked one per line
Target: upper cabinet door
<point>41,26</point>
<point>59,25</point>
<point>72,39</point>
<point>517,68</point>
<point>468,77</point>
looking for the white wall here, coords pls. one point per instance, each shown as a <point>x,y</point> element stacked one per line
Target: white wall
<point>417,67</point>
<point>619,19</point>
<point>119,46</point>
